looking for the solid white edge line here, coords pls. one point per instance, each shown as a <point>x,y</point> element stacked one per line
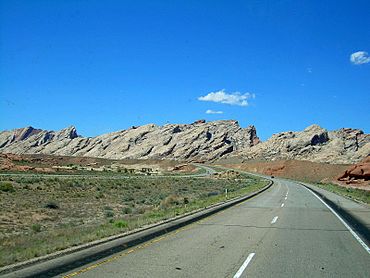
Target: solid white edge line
<point>244,265</point>
<point>274,220</point>
<point>363,244</point>
<point>282,204</point>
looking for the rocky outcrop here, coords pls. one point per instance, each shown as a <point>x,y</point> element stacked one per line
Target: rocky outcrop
<point>360,171</point>
<point>199,141</point>
<point>343,146</point>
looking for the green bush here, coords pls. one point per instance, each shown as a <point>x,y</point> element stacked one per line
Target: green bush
<point>120,224</point>
<point>6,187</point>
<point>36,228</point>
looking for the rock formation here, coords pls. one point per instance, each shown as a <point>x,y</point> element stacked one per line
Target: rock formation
<point>199,141</point>
<point>360,171</point>
<point>343,146</point>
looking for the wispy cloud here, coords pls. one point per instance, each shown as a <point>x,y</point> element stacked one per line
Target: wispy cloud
<point>360,57</point>
<point>209,111</point>
<point>235,98</point>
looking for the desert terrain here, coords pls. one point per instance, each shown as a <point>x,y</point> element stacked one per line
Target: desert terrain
<point>59,189</point>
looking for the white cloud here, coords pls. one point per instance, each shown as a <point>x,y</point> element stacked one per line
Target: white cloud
<point>360,57</point>
<point>209,111</point>
<point>235,98</point>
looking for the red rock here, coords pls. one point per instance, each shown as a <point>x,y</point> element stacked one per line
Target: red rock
<point>200,122</point>
<point>360,171</point>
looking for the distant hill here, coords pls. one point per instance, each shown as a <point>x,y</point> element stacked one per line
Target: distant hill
<point>199,141</point>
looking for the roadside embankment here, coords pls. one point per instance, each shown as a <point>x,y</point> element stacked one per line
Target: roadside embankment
<point>80,255</point>
<point>357,215</point>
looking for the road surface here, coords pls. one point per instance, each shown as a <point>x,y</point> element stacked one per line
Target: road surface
<point>283,232</point>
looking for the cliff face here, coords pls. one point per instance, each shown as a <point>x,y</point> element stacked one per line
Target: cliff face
<point>343,146</point>
<point>199,141</point>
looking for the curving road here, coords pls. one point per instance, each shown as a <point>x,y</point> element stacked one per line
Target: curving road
<point>283,232</point>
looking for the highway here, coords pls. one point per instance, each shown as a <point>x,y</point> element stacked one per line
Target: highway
<point>284,232</point>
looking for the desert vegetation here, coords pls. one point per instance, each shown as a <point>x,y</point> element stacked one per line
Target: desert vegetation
<point>356,194</point>
<point>42,214</point>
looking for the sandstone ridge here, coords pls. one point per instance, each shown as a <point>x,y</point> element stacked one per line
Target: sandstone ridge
<point>316,144</point>
<point>199,141</point>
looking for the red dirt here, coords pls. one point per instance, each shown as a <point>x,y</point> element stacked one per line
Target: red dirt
<point>294,169</point>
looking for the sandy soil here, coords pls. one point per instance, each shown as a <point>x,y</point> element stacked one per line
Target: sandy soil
<point>294,169</point>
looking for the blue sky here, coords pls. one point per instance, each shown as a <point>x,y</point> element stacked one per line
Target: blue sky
<point>107,65</point>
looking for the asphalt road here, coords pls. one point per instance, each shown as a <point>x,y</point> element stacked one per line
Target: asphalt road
<point>283,232</point>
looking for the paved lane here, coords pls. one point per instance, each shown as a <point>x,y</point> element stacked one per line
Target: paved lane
<point>284,232</point>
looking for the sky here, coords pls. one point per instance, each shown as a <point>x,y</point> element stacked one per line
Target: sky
<point>104,66</point>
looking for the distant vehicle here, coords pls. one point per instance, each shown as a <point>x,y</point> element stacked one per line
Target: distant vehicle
<point>272,177</point>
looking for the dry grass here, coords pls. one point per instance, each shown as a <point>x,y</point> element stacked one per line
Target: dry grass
<point>43,215</point>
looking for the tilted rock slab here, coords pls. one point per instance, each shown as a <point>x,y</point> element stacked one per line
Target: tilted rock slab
<point>199,141</point>
<point>343,146</point>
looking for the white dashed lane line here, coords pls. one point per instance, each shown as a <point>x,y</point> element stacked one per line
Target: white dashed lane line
<point>244,265</point>
<point>274,219</point>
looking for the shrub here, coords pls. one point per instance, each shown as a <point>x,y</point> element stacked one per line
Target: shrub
<point>99,195</point>
<point>127,210</point>
<point>51,205</point>
<point>6,187</point>
<point>36,228</point>
<point>140,210</point>
<point>128,198</point>
<point>215,193</point>
<point>120,224</point>
<point>108,212</point>
<point>170,201</point>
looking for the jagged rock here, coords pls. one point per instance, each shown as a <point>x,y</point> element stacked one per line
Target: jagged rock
<point>360,171</point>
<point>343,146</point>
<point>199,141</point>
